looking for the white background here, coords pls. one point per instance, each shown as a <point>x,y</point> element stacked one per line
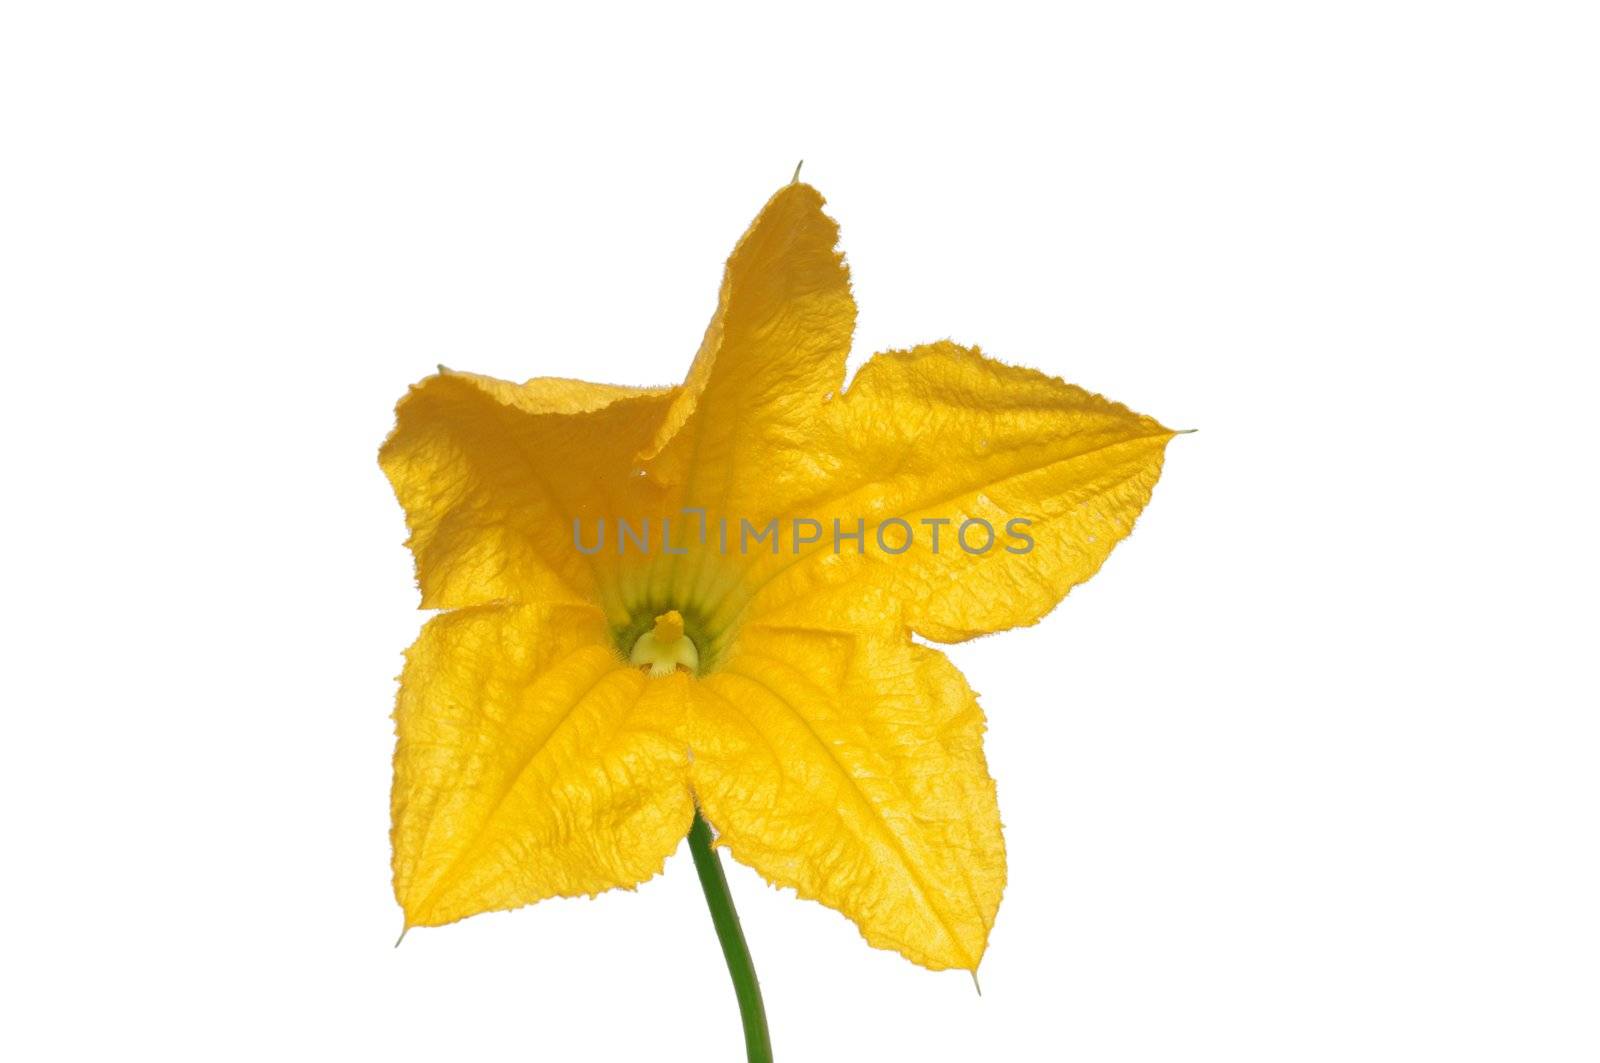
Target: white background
<point>1308,772</point>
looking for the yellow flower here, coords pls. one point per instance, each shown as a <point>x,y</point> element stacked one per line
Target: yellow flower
<point>620,643</point>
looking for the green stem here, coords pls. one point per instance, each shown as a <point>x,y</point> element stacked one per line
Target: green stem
<point>757,1045</point>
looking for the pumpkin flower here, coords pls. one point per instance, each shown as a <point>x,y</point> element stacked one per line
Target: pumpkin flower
<point>668,602</point>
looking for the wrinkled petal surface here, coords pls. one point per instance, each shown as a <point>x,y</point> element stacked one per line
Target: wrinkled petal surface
<point>851,768</point>
<point>491,475</point>
<point>775,347</point>
<point>942,434</point>
<point>531,763</point>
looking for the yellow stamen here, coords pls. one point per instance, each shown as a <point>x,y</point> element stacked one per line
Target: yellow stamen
<point>669,627</point>
<point>664,649</point>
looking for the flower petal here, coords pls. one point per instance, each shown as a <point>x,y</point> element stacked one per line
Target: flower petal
<point>852,769</point>
<point>941,433</point>
<point>530,764</point>
<point>775,347</point>
<point>491,475</point>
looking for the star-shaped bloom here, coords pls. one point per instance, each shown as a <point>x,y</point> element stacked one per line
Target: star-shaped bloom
<point>662,599</point>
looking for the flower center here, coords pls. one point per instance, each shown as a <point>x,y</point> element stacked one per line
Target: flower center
<point>665,648</point>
